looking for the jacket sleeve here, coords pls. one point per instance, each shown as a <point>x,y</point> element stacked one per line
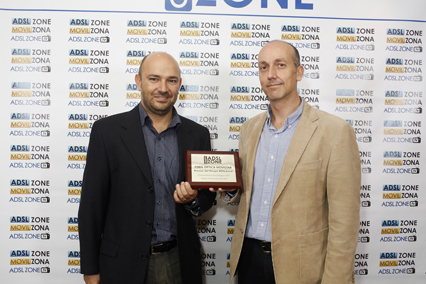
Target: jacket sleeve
<point>93,203</point>
<point>343,194</point>
<point>235,197</point>
<point>205,197</point>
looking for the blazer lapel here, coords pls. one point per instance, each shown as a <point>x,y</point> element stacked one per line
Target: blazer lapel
<point>304,131</point>
<point>251,149</point>
<point>184,143</point>
<point>134,140</point>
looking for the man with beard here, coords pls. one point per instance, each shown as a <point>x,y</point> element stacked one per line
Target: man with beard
<point>135,216</point>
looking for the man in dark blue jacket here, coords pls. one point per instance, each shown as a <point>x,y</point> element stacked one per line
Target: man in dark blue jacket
<point>135,216</point>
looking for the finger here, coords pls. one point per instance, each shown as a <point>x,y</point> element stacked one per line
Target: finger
<point>218,189</point>
<point>179,198</point>
<point>176,197</point>
<point>191,193</point>
<point>188,187</point>
<point>184,189</point>
<point>183,195</point>
<point>178,193</point>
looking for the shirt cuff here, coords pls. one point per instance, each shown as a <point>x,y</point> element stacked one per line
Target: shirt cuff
<point>230,194</point>
<point>194,208</point>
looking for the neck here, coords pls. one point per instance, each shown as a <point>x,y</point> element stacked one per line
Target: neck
<point>160,122</point>
<point>282,109</point>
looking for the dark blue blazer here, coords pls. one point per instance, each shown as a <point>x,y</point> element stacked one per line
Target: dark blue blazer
<point>117,202</point>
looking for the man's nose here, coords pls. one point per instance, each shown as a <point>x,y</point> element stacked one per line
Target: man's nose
<point>272,73</point>
<point>163,87</point>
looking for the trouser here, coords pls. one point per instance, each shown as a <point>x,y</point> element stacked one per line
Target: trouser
<point>255,264</point>
<point>164,268</point>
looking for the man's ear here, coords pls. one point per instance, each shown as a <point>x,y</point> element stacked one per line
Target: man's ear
<point>300,70</point>
<point>138,81</point>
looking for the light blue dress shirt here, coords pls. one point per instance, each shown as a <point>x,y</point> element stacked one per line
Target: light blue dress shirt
<point>270,155</point>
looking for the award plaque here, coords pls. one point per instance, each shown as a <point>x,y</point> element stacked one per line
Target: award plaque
<point>217,169</point>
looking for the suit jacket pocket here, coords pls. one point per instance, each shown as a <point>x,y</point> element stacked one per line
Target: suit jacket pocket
<point>304,189</point>
<point>109,248</point>
<point>308,166</point>
<point>312,250</point>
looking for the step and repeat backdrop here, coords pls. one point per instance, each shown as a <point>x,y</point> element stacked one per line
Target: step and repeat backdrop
<point>66,65</point>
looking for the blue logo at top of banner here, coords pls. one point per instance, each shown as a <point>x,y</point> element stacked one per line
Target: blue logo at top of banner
<point>179,5</point>
<point>186,5</point>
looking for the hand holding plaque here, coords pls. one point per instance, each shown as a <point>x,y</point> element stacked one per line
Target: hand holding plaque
<point>217,169</point>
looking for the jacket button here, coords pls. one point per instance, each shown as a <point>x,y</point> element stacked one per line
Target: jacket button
<point>150,189</point>
<point>148,223</point>
<point>144,256</point>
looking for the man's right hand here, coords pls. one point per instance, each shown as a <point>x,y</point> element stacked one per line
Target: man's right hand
<point>92,279</point>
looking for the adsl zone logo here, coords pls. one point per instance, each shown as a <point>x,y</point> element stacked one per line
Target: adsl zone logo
<point>186,5</point>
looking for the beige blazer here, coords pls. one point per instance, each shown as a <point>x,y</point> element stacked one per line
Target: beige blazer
<point>315,212</point>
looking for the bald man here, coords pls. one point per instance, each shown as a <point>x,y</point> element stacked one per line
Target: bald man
<point>298,217</point>
<point>135,215</point>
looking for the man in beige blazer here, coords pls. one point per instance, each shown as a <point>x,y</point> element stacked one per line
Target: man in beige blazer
<point>312,214</point>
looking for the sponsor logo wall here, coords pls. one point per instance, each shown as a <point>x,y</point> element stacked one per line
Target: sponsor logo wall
<point>66,66</point>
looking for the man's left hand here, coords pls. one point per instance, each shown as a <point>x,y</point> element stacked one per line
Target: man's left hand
<point>184,193</point>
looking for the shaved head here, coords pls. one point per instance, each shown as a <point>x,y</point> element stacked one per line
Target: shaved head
<point>155,53</point>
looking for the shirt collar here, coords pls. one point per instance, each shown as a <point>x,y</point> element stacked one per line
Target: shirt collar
<point>146,120</point>
<point>291,119</point>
